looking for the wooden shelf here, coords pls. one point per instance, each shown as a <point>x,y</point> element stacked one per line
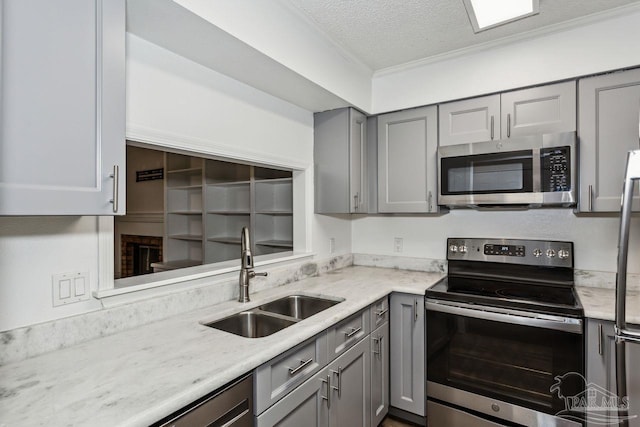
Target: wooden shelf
<point>186,187</point>
<point>227,184</point>
<point>185,212</point>
<point>229,212</point>
<point>193,237</point>
<point>188,171</point>
<point>228,240</point>
<point>274,212</point>
<point>274,180</point>
<point>276,243</point>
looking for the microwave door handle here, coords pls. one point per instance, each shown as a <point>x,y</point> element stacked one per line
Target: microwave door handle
<point>632,174</point>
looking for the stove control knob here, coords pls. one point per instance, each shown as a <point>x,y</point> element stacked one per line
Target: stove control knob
<point>563,254</point>
<point>537,253</point>
<point>551,253</point>
<point>453,248</point>
<point>462,249</point>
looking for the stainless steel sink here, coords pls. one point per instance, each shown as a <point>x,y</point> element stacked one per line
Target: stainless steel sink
<point>298,306</point>
<point>251,324</point>
<point>273,316</point>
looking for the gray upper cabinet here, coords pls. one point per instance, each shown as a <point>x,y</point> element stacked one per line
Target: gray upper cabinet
<point>62,121</point>
<point>470,120</point>
<point>407,148</point>
<point>407,373</point>
<point>608,117</point>
<point>601,369</point>
<point>543,109</point>
<point>340,157</point>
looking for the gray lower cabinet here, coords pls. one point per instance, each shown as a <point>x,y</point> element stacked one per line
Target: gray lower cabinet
<point>350,373</point>
<point>62,121</point>
<point>609,110</point>
<point>308,405</point>
<point>379,373</point>
<point>338,395</point>
<point>601,374</point>
<point>407,150</point>
<point>340,157</point>
<point>407,354</point>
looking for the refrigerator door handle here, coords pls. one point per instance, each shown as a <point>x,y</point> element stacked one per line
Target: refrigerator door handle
<point>632,174</point>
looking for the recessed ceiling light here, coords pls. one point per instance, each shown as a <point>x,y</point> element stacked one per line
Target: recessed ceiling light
<point>485,14</point>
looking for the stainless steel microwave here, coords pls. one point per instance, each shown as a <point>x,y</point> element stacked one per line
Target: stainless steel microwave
<point>530,171</point>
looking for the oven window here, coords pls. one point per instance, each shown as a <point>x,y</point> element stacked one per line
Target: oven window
<point>487,173</point>
<point>514,363</point>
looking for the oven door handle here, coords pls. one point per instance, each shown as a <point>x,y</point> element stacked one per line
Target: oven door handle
<point>564,324</point>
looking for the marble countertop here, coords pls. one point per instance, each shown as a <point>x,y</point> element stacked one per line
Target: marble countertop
<point>136,377</point>
<point>599,303</point>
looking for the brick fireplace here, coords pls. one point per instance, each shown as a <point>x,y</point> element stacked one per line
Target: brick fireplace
<point>137,254</point>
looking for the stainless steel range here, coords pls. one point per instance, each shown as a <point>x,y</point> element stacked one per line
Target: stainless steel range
<point>504,335</point>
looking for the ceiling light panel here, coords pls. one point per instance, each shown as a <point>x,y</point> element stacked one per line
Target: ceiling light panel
<point>486,14</point>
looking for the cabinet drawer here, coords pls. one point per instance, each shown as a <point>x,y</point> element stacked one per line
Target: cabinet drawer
<point>276,378</point>
<point>379,312</point>
<point>348,332</point>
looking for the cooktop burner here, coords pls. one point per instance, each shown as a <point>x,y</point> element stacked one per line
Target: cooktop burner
<point>521,274</point>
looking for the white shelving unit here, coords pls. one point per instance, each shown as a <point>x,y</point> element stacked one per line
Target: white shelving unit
<point>208,202</point>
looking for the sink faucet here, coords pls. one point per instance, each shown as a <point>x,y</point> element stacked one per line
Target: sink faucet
<point>246,269</point>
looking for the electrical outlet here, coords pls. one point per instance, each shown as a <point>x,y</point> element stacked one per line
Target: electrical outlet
<point>70,287</point>
<point>397,244</point>
<point>332,245</point>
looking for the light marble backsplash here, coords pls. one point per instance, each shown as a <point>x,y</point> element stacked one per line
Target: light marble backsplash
<point>23,343</point>
<point>401,263</point>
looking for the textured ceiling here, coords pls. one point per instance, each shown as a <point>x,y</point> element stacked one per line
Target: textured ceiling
<point>386,33</point>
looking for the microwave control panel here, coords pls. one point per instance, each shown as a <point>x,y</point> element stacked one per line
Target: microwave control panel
<point>555,164</point>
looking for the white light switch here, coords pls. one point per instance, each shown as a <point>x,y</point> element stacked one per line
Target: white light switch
<point>70,287</point>
<point>64,288</point>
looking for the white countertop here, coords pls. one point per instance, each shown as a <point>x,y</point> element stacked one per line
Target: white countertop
<point>599,303</point>
<point>136,377</point>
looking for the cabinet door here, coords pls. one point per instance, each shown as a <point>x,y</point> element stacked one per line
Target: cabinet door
<point>62,121</point>
<point>601,373</point>
<point>544,109</point>
<point>350,388</point>
<point>358,161</point>
<point>609,109</point>
<point>407,372</point>
<point>407,148</point>
<point>379,374</point>
<point>340,157</point>
<point>470,120</point>
<point>307,405</point>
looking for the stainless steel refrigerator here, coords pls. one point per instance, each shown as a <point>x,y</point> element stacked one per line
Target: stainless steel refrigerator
<point>627,337</point>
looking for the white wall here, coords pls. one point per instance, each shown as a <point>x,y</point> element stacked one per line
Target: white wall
<point>597,47</point>
<point>595,238</point>
<point>180,103</point>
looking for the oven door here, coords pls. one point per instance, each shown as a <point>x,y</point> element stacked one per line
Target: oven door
<point>506,364</point>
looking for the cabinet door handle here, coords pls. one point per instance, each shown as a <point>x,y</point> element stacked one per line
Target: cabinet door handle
<point>415,310</point>
<point>509,125</point>
<point>353,332</point>
<point>382,312</point>
<point>378,342</point>
<point>430,199</point>
<point>590,198</point>
<point>492,126</point>
<point>600,340</point>
<point>303,364</point>
<point>355,202</point>
<point>328,396</point>
<point>339,374</point>
<point>115,176</point>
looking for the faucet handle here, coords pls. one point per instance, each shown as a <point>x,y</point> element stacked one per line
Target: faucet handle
<point>254,274</point>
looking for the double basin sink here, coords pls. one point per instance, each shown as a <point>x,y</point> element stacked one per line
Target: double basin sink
<point>273,316</point>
